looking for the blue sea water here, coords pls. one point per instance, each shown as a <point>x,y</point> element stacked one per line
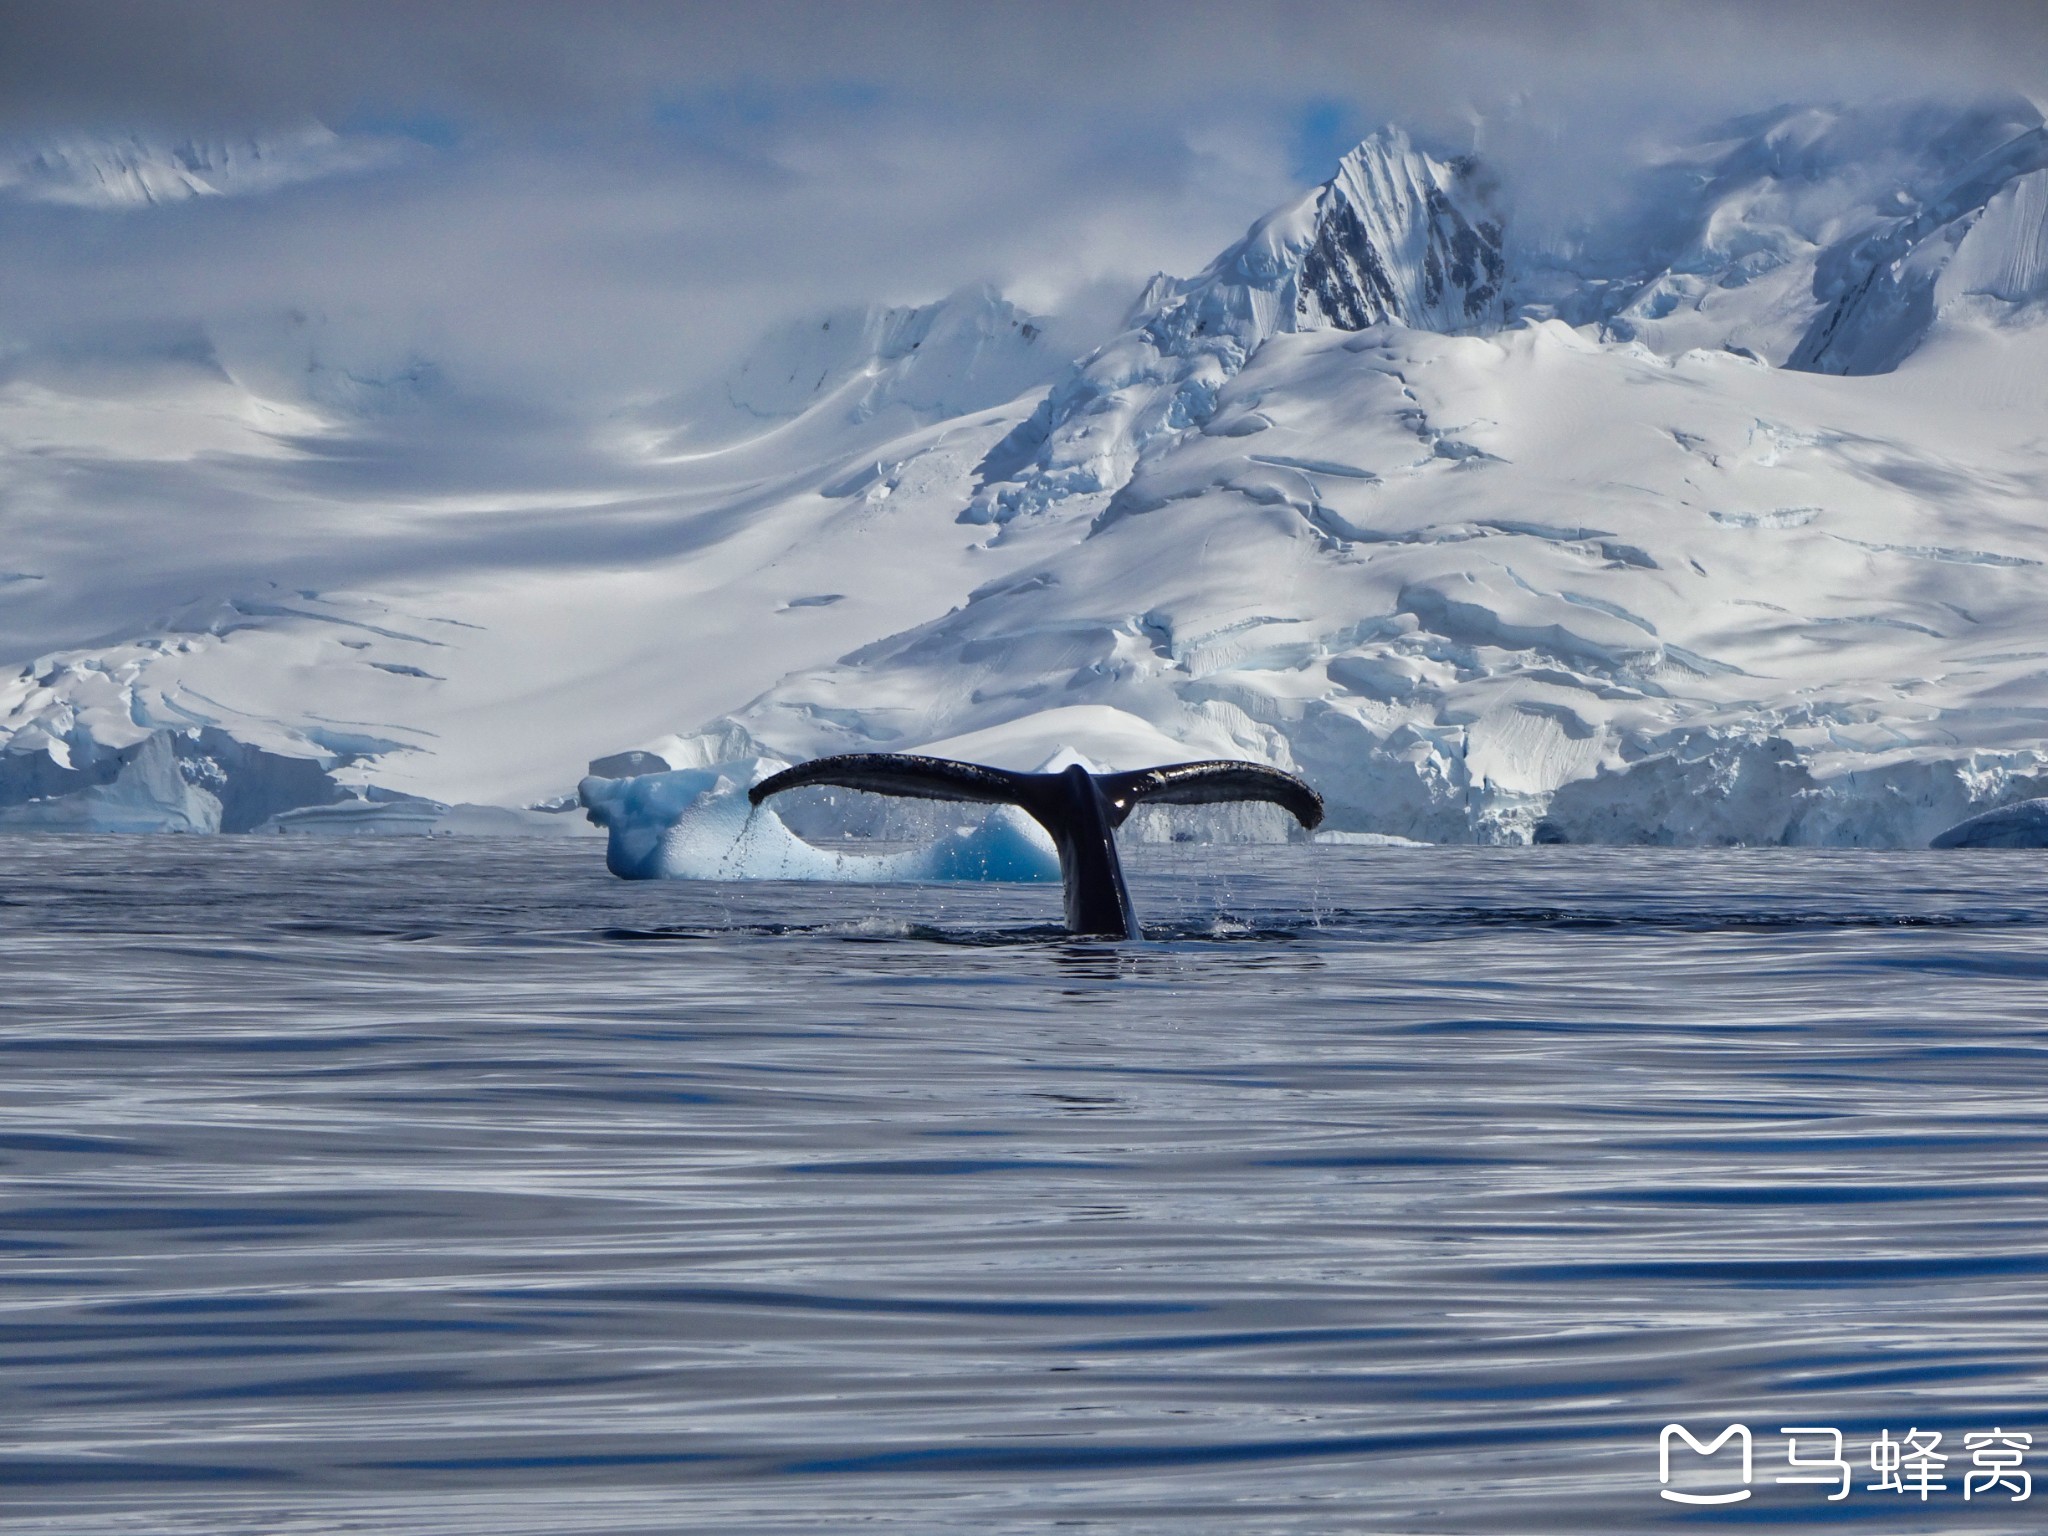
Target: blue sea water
<point>454,1186</point>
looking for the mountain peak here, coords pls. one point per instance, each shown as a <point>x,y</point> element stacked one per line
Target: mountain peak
<point>1395,236</point>
<point>1402,236</point>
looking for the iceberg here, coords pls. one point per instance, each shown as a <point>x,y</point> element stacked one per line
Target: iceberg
<point>696,824</point>
<point>2024,825</point>
<point>193,780</point>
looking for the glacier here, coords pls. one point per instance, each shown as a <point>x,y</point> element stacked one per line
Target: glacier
<point>1715,520</point>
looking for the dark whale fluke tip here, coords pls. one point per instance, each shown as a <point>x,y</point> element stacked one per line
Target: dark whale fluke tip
<point>1081,810</point>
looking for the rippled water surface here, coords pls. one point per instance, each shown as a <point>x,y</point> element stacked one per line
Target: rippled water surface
<point>456,1187</point>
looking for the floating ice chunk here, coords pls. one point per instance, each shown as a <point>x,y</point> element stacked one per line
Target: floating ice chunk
<point>188,780</point>
<point>696,824</point>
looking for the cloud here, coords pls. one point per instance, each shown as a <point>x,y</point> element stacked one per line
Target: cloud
<point>224,63</point>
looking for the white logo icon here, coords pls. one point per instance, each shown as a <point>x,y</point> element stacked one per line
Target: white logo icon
<point>1732,1432</point>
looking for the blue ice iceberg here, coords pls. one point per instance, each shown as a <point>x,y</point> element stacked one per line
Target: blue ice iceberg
<point>2024,825</point>
<point>696,824</point>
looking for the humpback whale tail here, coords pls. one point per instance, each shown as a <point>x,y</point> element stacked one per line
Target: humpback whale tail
<point>1081,810</point>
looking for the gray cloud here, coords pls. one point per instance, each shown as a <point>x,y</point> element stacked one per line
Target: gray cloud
<point>225,62</point>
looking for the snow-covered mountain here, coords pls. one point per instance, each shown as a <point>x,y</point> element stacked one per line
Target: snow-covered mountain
<point>1775,232</point>
<point>1720,520</point>
<point>1395,237</point>
<point>137,170</point>
<point>1979,236</point>
<point>872,369</point>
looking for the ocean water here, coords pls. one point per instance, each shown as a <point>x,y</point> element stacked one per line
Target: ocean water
<point>454,1186</point>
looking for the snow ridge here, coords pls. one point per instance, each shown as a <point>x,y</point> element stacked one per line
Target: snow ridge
<point>1887,283</point>
<point>910,365</point>
<point>1790,235</point>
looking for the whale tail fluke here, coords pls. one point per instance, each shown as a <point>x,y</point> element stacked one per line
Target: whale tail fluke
<point>1080,810</point>
<point>900,773</point>
<point>1209,783</point>
<point>941,778</point>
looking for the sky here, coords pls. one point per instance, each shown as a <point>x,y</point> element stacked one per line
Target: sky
<point>590,204</point>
